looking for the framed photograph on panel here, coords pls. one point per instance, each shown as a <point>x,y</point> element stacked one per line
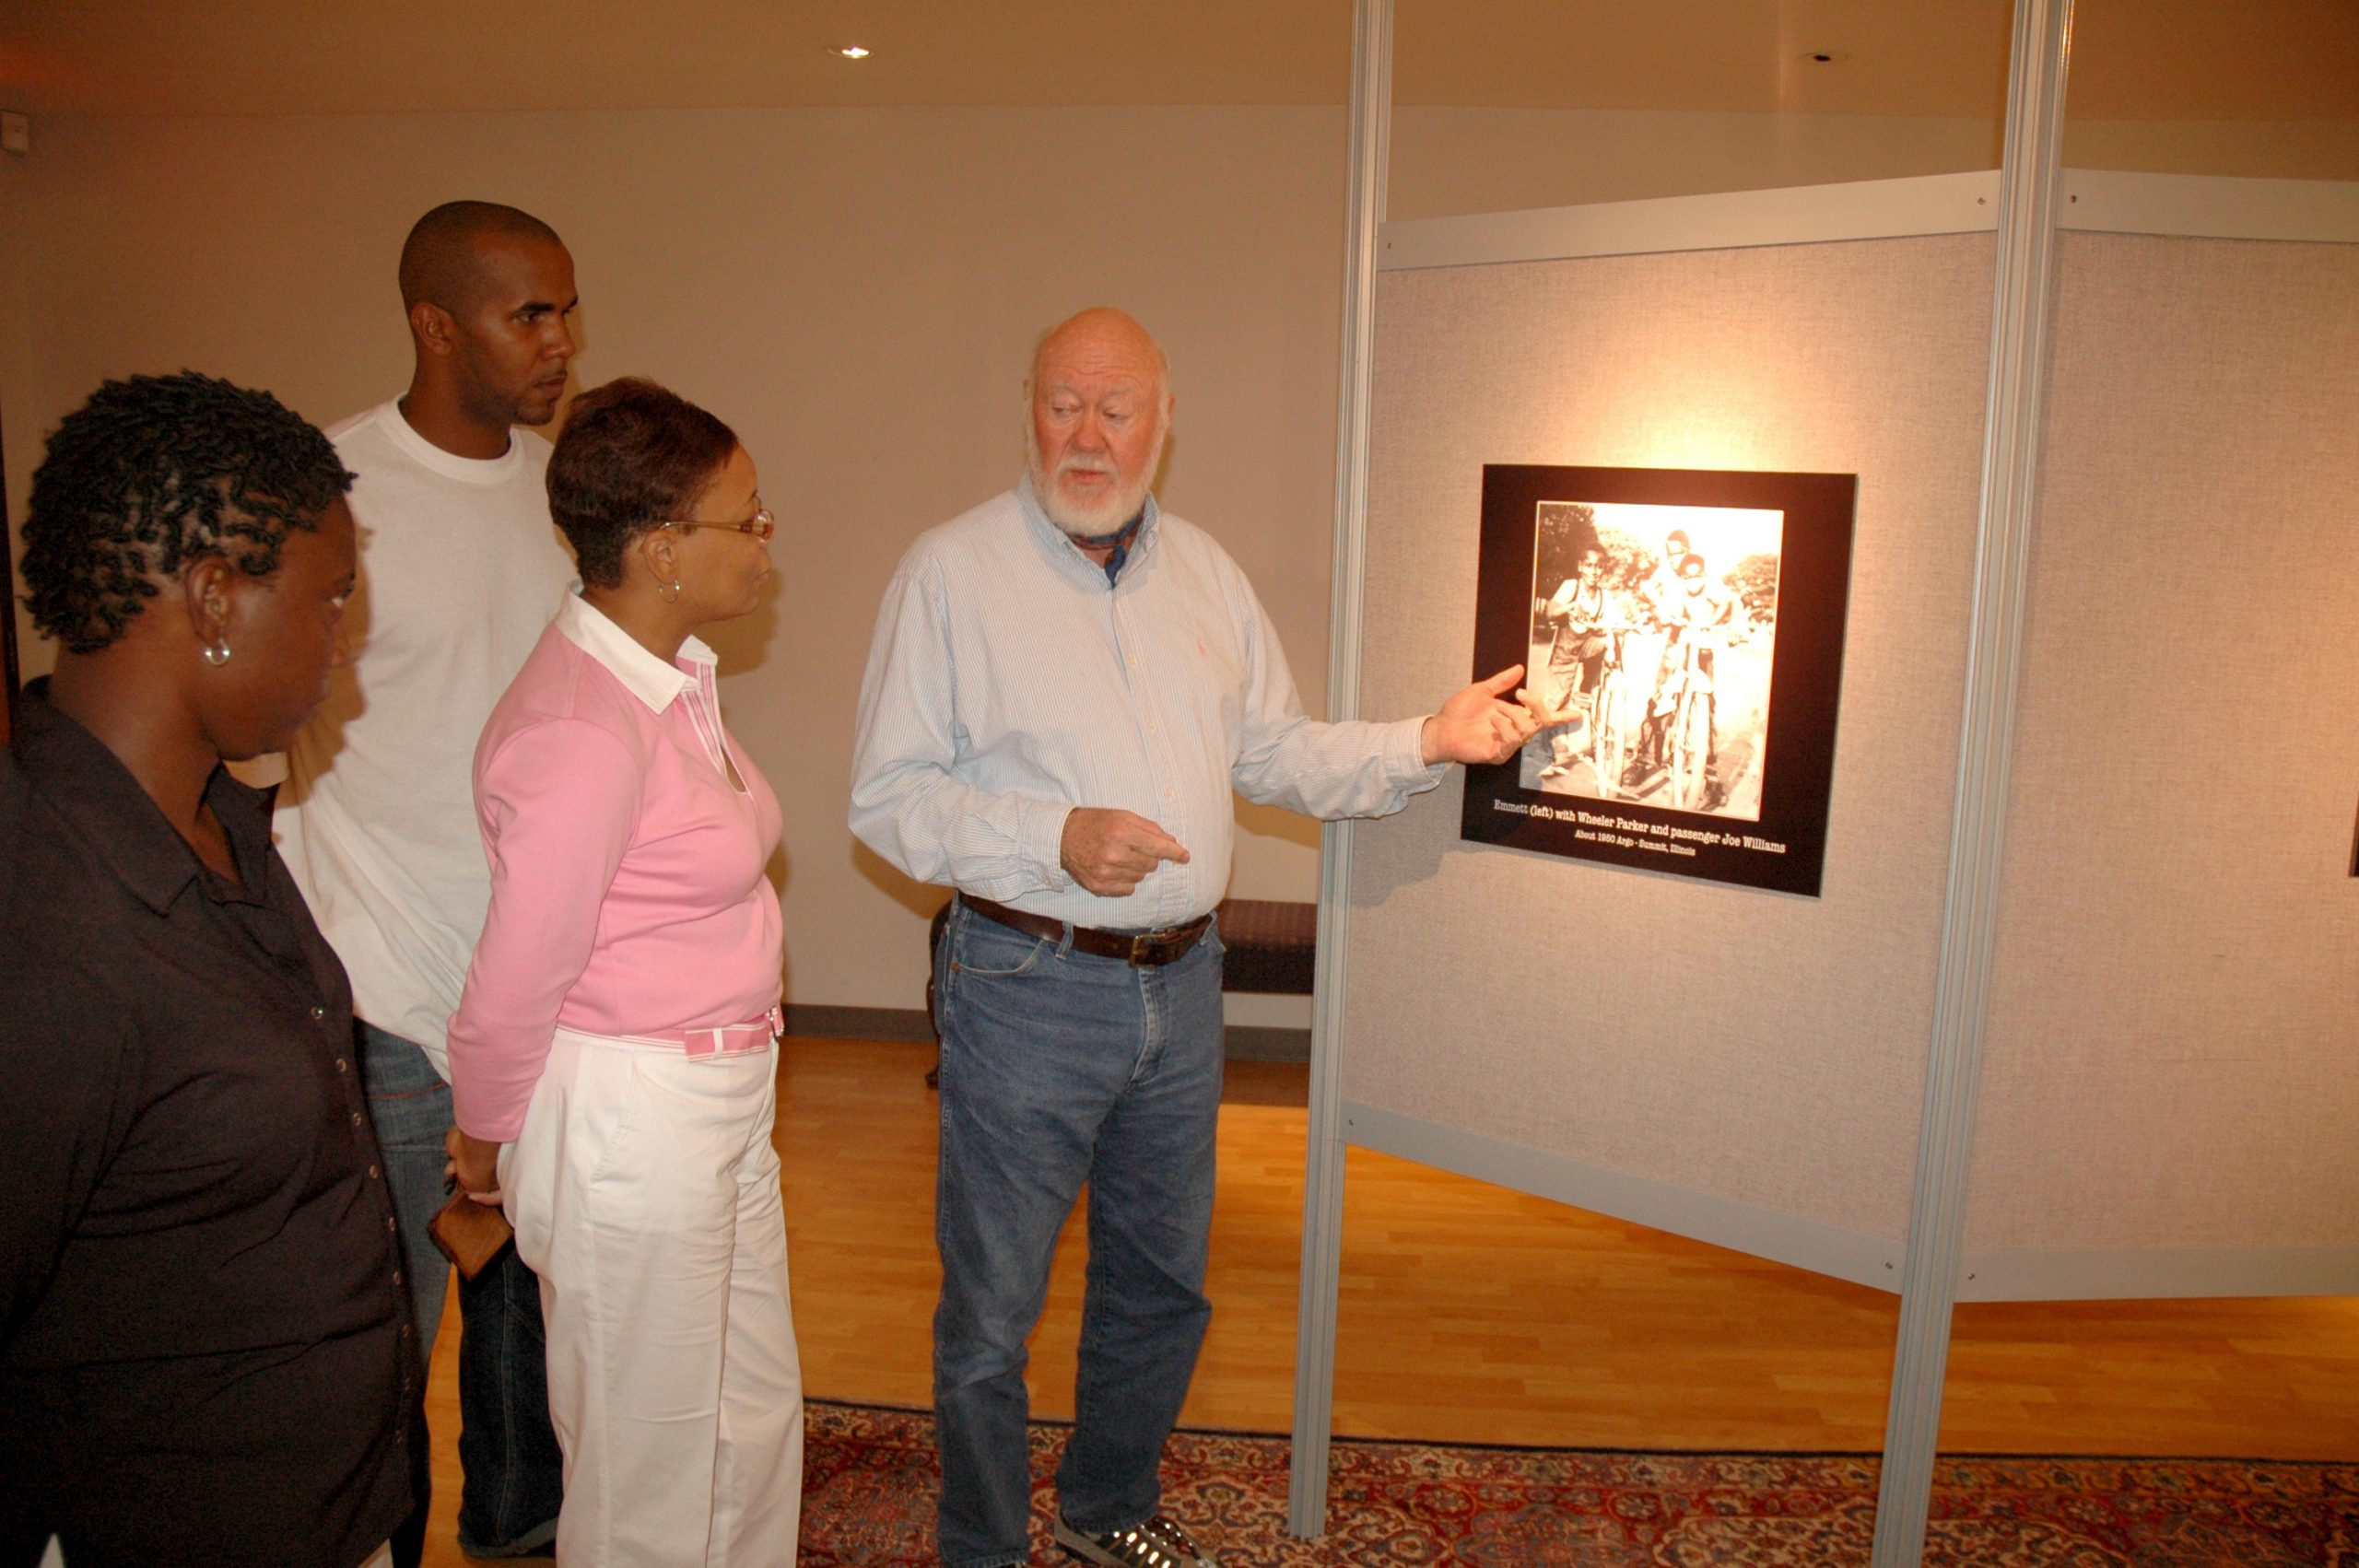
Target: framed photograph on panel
<point>1685,629</point>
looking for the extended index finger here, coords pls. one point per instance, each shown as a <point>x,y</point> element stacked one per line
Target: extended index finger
<point>1160,844</point>
<point>1505,680</point>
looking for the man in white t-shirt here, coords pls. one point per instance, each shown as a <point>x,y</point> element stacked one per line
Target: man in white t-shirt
<point>461,569</point>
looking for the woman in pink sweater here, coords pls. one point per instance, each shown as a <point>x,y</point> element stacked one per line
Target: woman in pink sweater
<point>612,1061</point>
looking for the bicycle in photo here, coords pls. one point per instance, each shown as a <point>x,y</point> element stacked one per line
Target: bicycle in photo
<point>1624,695</point>
<point>1688,746</point>
<point>1609,727</point>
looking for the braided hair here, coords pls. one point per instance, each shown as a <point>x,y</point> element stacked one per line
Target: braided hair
<point>155,472</point>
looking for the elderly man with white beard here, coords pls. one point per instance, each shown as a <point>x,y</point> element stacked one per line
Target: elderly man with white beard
<point>1065,686</point>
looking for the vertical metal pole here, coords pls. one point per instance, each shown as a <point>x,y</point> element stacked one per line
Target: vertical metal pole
<point>2027,186</point>
<point>1322,1198</point>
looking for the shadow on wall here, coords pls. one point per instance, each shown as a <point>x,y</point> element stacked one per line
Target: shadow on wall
<point>743,644</point>
<point>778,871</point>
<point>919,898</point>
<point>1375,878</point>
<point>1275,822</point>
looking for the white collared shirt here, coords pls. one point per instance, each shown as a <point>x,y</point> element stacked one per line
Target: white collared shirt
<point>1008,683</point>
<point>627,894</point>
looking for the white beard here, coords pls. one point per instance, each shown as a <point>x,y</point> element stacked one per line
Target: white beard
<point>1086,519</point>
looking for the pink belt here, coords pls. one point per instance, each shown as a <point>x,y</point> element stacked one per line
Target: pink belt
<point>727,1040</point>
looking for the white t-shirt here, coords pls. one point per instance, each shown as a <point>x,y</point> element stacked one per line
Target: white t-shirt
<point>460,570</point>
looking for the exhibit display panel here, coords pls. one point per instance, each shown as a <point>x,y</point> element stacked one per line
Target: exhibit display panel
<point>2167,1102</point>
<point>1737,1065</point>
<point>2167,1099</point>
<point>1799,1074</point>
<point>2167,1096</point>
<point>1502,107</point>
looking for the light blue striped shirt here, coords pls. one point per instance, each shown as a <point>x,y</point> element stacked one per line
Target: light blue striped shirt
<point>1008,683</point>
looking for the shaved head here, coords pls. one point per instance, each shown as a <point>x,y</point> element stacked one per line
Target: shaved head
<point>490,295</point>
<point>441,263</point>
<point>1101,408</point>
<point>1102,334</point>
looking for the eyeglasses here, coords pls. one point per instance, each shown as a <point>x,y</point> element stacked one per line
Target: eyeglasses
<point>761,525</point>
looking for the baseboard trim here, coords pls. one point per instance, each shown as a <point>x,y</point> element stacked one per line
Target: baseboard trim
<point>1261,1042</point>
<point>1247,1042</point>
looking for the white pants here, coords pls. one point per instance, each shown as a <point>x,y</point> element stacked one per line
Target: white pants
<point>645,1194</point>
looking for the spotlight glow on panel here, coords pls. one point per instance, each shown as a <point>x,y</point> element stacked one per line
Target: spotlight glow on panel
<point>852,52</point>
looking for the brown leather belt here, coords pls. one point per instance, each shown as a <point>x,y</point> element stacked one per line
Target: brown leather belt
<point>1141,950</point>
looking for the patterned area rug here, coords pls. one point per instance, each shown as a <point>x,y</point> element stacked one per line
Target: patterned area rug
<point>869,1487</point>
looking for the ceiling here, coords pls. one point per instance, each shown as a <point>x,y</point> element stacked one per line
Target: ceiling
<point>2133,59</point>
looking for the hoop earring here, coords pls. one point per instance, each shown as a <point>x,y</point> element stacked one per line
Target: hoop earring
<point>668,591</point>
<point>215,653</point>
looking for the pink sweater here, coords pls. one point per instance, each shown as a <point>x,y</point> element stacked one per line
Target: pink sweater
<point>626,888</point>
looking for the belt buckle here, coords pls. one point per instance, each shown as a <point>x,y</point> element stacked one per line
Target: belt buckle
<point>1151,949</point>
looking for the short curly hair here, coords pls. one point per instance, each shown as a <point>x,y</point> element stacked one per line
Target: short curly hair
<point>632,454</point>
<point>155,472</point>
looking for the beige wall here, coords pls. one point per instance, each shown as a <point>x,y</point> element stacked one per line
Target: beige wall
<point>1446,162</point>
<point>1451,161</point>
<point>856,290</point>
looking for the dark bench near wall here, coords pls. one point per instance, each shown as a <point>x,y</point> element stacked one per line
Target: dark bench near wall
<point>1272,947</point>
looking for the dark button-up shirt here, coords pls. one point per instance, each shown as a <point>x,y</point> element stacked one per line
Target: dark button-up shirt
<point>205,1351</point>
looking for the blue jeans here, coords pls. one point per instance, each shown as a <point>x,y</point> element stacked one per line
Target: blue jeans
<point>410,1106</point>
<point>508,1453</point>
<point>1061,1069</point>
<point>511,1470</point>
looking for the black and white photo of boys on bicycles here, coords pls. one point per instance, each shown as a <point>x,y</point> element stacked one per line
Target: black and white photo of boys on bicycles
<point>1652,634</point>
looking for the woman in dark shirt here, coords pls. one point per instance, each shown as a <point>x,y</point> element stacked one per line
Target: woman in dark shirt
<point>204,1354</point>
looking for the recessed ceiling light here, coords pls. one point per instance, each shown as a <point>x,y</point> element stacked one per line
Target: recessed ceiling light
<point>852,52</point>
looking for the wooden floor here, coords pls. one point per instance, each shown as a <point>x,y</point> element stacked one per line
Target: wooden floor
<point>1473,1313</point>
